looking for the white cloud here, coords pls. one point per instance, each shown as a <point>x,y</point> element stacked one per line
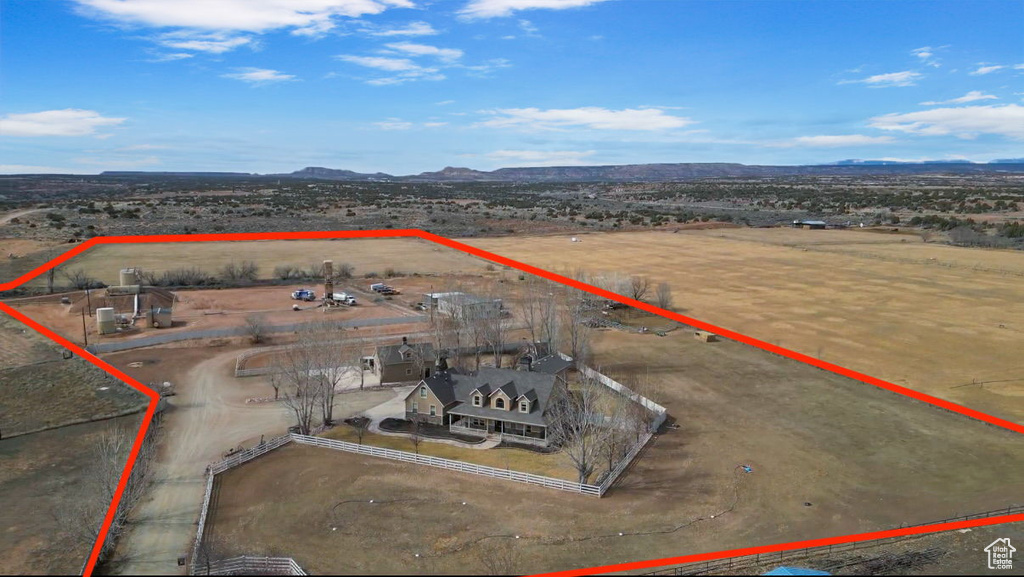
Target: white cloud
<point>446,54</point>
<point>528,28</point>
<point>586,117</point>
<point>836,140</point>
<point>484,70</point>
<point>143,147</point>
<point>171,57</point>
<point>444,102</point>
<point>1018,66</point>
<point>399,124</point>
<point>394,124</point>
<point>259,75</point>
<point>381,62</point>
<point>542,157</point>
<point>981,70</point>
<point>411,29</point>
<point>66,122</point>
<point>406,70</point>
<point>493,8</point>
<point>964,122</point>
<point>969,97</point>
<point>301,16</point>
<point>905,78</point>
<point>926,54</point>
<point>216,43</point>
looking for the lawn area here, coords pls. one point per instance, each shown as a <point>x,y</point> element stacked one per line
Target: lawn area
<point>555,465</point>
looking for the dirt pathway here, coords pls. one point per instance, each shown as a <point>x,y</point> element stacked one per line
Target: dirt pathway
<point>209,415</point>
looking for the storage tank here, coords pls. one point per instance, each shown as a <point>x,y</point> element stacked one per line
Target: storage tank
<point>129,276</point>
<point>105,323</point>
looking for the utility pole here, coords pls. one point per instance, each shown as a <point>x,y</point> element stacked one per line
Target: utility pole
<point>88,301</point>
<point>85,334</point>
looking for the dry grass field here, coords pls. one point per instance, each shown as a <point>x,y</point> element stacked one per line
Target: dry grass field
<point>105,262</point>
<point>943,320</point>
<point>830,456</point>
<point>34,470</point>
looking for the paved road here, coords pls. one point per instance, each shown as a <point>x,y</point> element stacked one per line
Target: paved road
<point>113,347</point>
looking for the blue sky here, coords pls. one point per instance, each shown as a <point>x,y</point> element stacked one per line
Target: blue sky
<point>404,86</point>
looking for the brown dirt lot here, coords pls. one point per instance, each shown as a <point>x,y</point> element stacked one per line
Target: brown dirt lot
<point>943,320</point>
<point>34,470</point>
<point>864,458</point>
<point>367,255</point>
<point>204,309</point>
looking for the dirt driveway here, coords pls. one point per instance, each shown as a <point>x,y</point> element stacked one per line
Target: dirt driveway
<point>208,415</point>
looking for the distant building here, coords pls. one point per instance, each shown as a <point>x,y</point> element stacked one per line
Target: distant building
<point>510,403</point>
<point>462,305</point>
<point>810,224</point>
<point>404,362</point>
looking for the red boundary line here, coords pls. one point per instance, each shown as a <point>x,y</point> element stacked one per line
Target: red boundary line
<point>416,233</point>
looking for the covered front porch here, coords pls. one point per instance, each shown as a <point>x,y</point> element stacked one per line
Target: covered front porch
<point>484,427</point>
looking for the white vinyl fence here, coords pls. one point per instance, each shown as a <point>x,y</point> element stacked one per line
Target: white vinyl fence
<point>249,565</point>
<point>450,465</point>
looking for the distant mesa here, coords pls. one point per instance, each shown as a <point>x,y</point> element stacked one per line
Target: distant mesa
<point>668,172</point>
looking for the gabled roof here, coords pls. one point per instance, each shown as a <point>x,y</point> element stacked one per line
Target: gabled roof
<point>509,389</point>
<point>530,395</point>
<point>393,354</point>
<point>551,364</point>
<point>535,386</point>
<point>484,389</point>
<point>439,383</point>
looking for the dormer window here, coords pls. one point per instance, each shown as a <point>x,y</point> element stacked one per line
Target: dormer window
<point>499,403</point>
<point>423,392</point>
<point>524,406</point>
<point>477,400</point>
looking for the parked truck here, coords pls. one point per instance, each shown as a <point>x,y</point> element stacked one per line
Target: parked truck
<point>304,295</point>
<point>345,298</point>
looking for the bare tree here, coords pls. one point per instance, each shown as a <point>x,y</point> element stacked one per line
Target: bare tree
<point>577,324</point>
<point>240,272</point>
<point>577,425</point>
<point>361,424</point>
<point>638,418</point>
<point>499,557</point>
<point>416,432</point>
<point>495,329</point>
<point>296,375</point>
<point>81,510</point>
<point>80,280</point>
<point>639,286</point>
<point>663,295</point>
<point>254,327</point>
<point>449,325</point>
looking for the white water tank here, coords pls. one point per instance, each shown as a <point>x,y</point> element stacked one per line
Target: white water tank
<point>129,276</point>
<point>105,322</point>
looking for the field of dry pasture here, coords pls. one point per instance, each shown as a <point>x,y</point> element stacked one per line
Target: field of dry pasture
<point>943,320</point>
<point>104,262</point>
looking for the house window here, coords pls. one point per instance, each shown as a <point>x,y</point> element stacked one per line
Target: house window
<point>477,400</point>
<point>524,406</point>
<point>433,410</point>
<point>423,392</point>
<point>499,403</point>
<point>415,407</point>
<point>408,371</point>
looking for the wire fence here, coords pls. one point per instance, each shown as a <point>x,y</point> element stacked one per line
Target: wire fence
<point>732,564</point>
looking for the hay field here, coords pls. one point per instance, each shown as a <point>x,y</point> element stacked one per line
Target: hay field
<point>943,320</point>
<point>105,262</point>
